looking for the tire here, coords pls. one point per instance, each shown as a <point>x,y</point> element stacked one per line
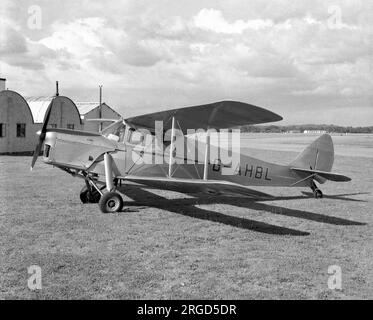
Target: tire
<point>84,195</point>
<point>111,202</point>
<point>87,196</point>
<point>318,194</point>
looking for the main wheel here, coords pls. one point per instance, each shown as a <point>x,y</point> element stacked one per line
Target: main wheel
<point>87,196</point>
<point>111,202</point>
<point>318,193</point>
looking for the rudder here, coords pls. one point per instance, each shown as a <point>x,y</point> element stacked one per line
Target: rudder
<point>319,155</point>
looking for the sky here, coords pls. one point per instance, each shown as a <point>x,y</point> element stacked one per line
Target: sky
<point>309,61</point>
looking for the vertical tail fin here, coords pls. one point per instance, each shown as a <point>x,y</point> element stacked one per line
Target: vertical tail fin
<point>319,155</point>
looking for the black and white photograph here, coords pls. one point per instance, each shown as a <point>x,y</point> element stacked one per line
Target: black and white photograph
<point>206,152</point>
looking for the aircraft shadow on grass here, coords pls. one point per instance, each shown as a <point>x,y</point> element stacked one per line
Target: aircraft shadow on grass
<point>188,207</point>
<point>342,196</point>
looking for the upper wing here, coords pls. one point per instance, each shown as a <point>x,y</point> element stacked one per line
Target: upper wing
<point>197,186</point>
<point>326,175</point>
<point>218,115</point>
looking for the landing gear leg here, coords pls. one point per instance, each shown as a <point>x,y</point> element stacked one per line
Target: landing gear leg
<point>110,201</point>
<point>317,193</point>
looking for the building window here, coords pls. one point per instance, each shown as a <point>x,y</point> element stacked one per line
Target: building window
<point>21,130</point>
<point>53,126</point>
<point>2,130</point>
<point>70,126</point>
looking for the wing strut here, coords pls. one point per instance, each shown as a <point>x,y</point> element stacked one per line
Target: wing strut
<point>171,147</point>
<point>207,156</point>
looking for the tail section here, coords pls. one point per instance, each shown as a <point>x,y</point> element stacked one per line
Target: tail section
<point>319,155</point>
<point>316,162</point>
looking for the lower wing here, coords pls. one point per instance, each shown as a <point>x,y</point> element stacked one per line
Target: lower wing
<point>214,187</point>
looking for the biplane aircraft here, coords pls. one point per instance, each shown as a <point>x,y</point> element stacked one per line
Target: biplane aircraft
<point>115,156</point>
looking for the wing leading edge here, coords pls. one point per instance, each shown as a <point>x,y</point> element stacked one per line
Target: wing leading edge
<point>218,115</point>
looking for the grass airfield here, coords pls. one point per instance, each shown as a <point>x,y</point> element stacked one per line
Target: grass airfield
<point>166,245</point>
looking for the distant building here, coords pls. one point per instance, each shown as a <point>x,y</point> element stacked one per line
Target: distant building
<point>91,110</point>
<point>21,118</point>
<point>2,84</point>
<point>315,131</point>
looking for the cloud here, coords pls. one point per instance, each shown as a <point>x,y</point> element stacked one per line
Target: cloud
<point>75,36</point>
<point>92,38</point>
<point>12,42</point>
<point>18,50</point>
<point>283,54</point>
<point>213,20</point>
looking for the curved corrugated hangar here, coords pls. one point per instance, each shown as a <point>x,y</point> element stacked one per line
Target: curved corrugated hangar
<point>21,118</point>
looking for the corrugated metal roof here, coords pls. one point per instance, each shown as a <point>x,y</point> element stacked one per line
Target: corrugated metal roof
<point>85,107</point>
<point>38,107</point>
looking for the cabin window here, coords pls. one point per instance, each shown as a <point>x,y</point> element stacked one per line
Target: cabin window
<point>2,130</point>
<point>21,130</point>
<point>121,133</point>
<point>53,125</point>
<point>135,137</point>
<point>70,126</point>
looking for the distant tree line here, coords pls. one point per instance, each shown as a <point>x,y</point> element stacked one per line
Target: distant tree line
<point>300,128</point>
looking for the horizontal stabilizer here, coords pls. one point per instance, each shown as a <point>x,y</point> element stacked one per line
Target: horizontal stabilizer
<point>323,174</point>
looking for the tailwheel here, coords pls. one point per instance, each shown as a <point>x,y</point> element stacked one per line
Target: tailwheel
<point>317,193</point>
<point>111,202</point>
<point>89,195</point>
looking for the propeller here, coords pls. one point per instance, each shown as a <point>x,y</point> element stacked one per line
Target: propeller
<point>42,134</point>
